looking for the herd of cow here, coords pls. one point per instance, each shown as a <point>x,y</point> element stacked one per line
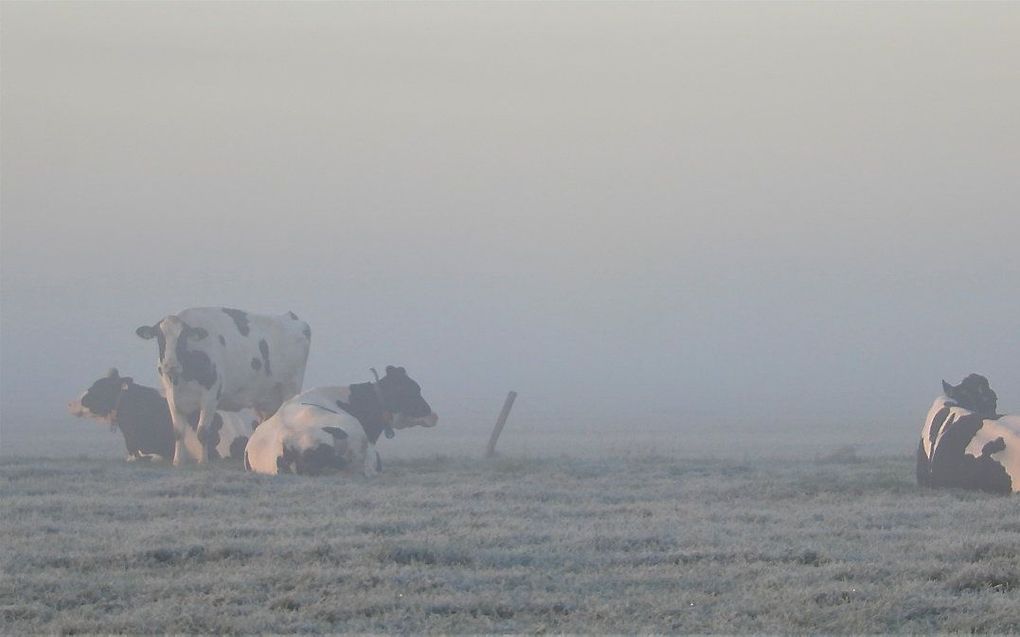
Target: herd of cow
<point>232,389</point>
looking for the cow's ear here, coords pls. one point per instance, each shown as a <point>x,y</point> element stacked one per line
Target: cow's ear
<point>197,333</point>
<point>147,332</point>
<point>947,388</point>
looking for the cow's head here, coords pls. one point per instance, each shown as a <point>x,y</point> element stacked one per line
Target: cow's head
<point>100,400</point>
<point>173,335</point>
<point>402,397</point>
<point>973,393</point>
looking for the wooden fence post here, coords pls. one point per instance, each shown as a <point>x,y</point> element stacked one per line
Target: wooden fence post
<point>490,451</point>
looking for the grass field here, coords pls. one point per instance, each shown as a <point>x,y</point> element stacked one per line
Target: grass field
<point>449,544</point>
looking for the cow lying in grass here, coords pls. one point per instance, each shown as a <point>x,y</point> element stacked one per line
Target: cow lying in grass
<point>143,417</point>
<point>330,429</point>
<point>966,444</point>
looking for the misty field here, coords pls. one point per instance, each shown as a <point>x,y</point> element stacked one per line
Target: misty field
<point>448,544</point>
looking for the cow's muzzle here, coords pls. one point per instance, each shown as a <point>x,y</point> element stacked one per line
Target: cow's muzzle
<point>75,408</point>
<point>406,422</point>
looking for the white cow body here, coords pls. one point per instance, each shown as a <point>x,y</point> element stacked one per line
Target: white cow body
<point>215,357</point>
<point>963,449</point>
<point>329,428</point>
<point>296,430</point>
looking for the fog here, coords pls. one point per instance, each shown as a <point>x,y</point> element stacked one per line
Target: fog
<point>743,218</point>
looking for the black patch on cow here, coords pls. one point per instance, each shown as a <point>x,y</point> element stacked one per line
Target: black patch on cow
<point>210,436</point>
<point>143,416</point>
<point>936,424</point>
<point>995,446</point>
<point>195,366</point>
<point>264,350</point>
<point>240,320</point>
<point>256,364</point>
<point>307,331</point>
<point>364,405</point>
<point>923,466</point>
<point>237,447</point>
<point>319,460</point>
<point>161,340</point>
<point>223,341</point>
<point>292,315</point>
<point>336,432</point>
<point>952,467</point>
<point>287,461</point>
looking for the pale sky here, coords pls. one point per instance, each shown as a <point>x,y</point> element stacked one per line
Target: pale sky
<point>646,215</point>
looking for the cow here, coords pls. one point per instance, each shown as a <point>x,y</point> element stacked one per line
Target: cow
<point>143,417</point>
<point>220,358</point>
<point>965,444</point>
<point>329,429</point>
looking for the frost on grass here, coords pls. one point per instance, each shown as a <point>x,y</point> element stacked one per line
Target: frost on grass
<point>841,544</point>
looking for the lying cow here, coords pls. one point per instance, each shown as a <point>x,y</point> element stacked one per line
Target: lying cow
<point>966,444</point>
<point>143,417</point>
<point>328,429</point>
<point>219,358</point>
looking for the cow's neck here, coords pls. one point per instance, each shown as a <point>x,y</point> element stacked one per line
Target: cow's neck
<point>366,405</point>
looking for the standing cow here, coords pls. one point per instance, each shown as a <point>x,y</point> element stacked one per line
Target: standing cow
<point>213,357</point>
<point>966,444</point>
<point>327,429</point>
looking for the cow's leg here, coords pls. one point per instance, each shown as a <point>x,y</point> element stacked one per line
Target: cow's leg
<point>205,420</point>
<point>371,460</point>
<point>186,442</point>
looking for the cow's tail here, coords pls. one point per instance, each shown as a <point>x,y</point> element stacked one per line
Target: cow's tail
<point>247,464</point>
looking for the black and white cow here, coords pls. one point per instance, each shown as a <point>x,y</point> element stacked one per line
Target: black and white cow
<point>328,429</point>
<point>143,417</point>
<point>966,444</point>
<point>219,358</point>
